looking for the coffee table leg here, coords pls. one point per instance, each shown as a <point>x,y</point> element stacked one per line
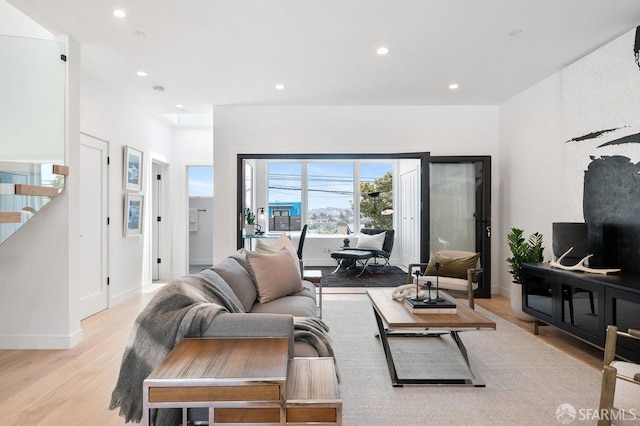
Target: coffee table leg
<point>476,381</point>
<point>387,349</point>
<point>396,382</point>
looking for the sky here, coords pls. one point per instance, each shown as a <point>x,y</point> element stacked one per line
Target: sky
<point>200,181</point>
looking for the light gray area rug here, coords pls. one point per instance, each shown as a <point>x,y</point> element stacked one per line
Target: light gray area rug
<point>526,379</point>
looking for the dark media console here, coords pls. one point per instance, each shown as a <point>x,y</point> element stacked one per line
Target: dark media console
<point>584,304</point>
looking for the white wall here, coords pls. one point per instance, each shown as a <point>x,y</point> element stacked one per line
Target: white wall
<point>441,130</point>
<point>191,146</point>
<point>200,241</point>
<point>106,115</point>
<point>530,167</point>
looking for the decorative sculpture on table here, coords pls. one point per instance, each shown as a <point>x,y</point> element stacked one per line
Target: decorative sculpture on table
<point>580,266</point>
<point>438,265</point>
<point>418,274</point>
<point>430,300</point>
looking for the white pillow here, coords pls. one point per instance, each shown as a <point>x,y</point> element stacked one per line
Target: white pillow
<point>371,242</point>
<point>270,245</point>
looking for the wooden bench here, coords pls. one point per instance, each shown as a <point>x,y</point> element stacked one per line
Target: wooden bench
<point>245,381</point>
<point>313,394</point>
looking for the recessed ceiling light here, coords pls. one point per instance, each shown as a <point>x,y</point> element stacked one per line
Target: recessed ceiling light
<point>139,34</point>
<point>382,51</point>
<point>141,74</point>
<point>279,86</point>
<point>453,86</point>
<point>119,13</point>
<point>179,106</point>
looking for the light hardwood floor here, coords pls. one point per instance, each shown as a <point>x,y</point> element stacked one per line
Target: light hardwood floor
<point>73,387</point>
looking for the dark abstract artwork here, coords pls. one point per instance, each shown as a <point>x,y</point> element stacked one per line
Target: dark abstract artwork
<point>611,207</point>
<point>635,138</point>
<point>636,47</point>
<point>592,135</point>
<point>611,198</point>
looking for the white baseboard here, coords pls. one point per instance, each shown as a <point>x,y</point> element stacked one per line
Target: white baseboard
<point>125,295</point>
<point>506,292</point>
<point>41,341</point>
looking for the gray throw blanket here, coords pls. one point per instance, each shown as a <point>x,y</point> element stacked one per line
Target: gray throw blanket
<point>314,332</point>
<point>184,307</point>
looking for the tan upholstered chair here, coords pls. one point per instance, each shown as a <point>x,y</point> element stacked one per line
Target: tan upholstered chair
<point>620,392</point>
<point>451,284</point>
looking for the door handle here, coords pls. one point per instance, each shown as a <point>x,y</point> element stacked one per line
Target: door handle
<point>488,229</point>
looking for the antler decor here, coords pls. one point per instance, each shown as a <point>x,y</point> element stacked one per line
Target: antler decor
<point>580,265</point>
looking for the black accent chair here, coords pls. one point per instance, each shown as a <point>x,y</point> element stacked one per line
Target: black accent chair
<point>354,258</point>
<point>303,234</point>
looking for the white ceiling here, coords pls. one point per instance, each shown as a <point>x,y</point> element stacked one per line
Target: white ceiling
<point>232,52</point>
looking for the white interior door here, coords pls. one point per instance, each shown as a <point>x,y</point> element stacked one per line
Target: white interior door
<point>156,218</point>
<point>92,262</point>
<point>410,217</point>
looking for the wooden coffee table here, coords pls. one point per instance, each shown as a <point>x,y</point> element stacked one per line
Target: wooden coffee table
<point>394,319</point>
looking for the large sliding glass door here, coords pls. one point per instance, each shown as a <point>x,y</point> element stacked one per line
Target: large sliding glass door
<point>460,209</point>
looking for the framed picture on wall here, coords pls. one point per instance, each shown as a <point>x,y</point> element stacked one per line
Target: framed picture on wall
<point>132,169</point>
<point>133,209</point>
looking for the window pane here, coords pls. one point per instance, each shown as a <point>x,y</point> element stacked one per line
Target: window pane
<point>285,197</point>
<point>453,206</point>
<point>376,190</point>
<point>330,196</point>
<point>200,181</point>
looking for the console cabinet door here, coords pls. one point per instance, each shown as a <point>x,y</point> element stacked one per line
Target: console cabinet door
<point>581,308</point>
<point>539,295</point>
<point>623,311</point>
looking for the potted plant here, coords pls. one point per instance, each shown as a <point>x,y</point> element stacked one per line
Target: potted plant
<point>250,222</point>
<point>522,251</point>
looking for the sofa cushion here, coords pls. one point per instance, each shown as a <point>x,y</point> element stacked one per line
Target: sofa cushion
<point>455,267</point>
<point>371,242</point>
<point>298,306</point>
<point>446,283</point>
<point>274,246</point>
<point>233,271</point>
<point>308,290</point>
<point>219,283</point>
<point>275,275</point>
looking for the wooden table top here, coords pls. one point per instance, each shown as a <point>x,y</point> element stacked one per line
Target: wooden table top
<point>241,359</point>
<point>396,315</point>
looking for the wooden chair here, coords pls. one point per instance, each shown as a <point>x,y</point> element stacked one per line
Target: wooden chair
<point>467,285</point>
<point>620,391</point>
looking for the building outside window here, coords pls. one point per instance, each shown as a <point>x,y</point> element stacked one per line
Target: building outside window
<point>285,197</point>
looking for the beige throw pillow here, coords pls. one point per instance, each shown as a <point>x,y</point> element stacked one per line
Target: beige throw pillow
<point>270,245</point>
<point>275,275</point>
<point>454,267</point>
<point>371,242</point>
